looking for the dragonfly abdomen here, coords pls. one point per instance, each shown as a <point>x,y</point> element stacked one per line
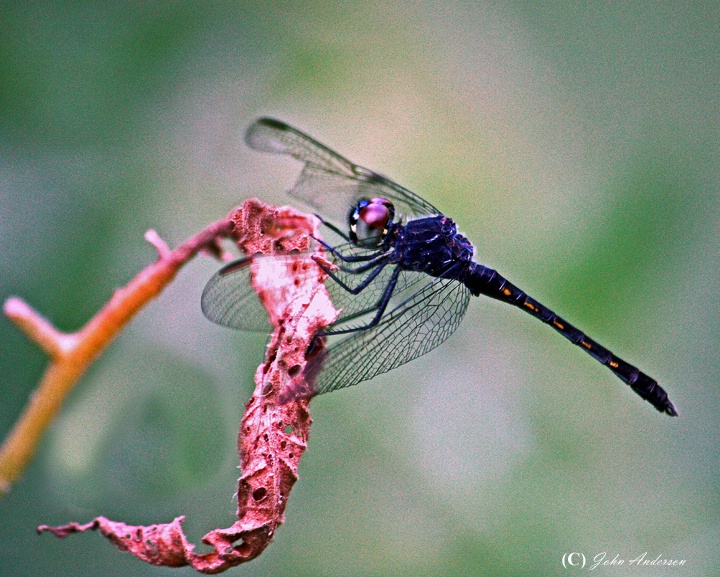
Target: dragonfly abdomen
<point>483,280</point>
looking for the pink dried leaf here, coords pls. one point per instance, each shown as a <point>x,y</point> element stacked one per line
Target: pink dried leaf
<point>275,427</point>
<point>157,544</point>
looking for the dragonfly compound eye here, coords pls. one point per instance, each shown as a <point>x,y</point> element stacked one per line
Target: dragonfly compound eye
<point>369,221</point>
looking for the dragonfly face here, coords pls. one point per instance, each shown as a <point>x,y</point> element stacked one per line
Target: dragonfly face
<point>402,278</point>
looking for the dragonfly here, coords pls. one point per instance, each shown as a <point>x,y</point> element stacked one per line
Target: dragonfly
<point>400,272</point>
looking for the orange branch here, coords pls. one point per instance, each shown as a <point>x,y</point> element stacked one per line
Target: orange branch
<point>72,353</point>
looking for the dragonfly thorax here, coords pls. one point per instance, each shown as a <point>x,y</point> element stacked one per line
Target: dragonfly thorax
<point>432,245</point>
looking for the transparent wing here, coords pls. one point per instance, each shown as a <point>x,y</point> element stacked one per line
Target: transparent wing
<point>413,327</point>
<point>330,183</point>
<point>423,312</point>
<point>230,300</point>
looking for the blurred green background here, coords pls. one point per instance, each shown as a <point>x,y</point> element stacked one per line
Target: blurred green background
<point>576,144</point>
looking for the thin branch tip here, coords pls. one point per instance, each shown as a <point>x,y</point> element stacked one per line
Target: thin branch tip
<point>15,307</point>
<point>160,245</point>
<point>36,327</point>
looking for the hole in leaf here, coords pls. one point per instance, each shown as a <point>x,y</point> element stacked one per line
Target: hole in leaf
<point>259,494</point>
<point>294,370</point>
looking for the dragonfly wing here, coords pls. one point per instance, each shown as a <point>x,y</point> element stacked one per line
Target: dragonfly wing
<point>416,325</point>
<point>230,300</point>
<point>330,183</point>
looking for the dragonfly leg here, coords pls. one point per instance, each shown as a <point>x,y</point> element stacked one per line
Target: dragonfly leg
<point>338,254</point>
<point>359,288</point>
<point>380,309</point>
<point>380,259</point>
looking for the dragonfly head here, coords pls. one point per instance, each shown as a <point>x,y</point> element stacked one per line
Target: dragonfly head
<point>370,221</point>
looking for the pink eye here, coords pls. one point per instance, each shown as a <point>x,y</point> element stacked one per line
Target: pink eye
<point>375,215</point>
<point>370,221</point>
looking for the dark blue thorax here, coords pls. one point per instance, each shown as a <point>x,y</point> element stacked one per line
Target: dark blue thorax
<point>432,245</point>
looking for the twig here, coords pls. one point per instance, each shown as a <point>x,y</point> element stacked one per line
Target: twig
<point>273,435</point>
<point>72,353</point>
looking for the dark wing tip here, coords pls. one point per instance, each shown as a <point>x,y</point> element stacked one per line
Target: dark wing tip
<point>272,123</point>
<point>265,135</point>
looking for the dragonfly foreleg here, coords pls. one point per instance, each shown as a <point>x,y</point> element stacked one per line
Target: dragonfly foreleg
<point>359,258</point>
<point>359,288</point>
<point>379,260</point>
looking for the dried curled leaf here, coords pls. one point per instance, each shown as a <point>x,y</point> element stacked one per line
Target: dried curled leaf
<point>157,544</point>
<point>273,435</point>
